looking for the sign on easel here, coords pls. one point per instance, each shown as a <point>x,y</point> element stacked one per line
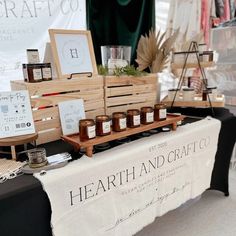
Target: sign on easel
<point>15,114</point>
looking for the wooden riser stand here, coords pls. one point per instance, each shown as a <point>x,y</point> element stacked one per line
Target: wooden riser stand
<point>88,145</point>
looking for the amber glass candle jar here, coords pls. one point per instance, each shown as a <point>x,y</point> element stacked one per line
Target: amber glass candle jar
<point>86,129</point>
<point>34,73</point>
<point>133,118</point>
<point>46,71</point>
<point>159,112</point>
<point>103,125</point>
<point>147,115</point>
<point>119,121</point>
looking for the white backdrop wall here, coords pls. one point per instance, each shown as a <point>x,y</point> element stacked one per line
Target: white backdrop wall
<point>25,23</point>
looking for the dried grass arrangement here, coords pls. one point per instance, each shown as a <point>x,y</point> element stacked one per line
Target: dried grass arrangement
<point>153,51</point>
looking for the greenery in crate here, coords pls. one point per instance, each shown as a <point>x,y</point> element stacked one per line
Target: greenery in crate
<point>119,71</point>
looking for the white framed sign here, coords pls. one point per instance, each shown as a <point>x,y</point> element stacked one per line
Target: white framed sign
<point>15,114</point>
<point>71,112</point>
<point>73,52</point>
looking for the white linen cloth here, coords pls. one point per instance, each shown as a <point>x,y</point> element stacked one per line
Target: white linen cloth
<point>119,191</point>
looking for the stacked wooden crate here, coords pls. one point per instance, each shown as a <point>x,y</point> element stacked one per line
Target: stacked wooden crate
<point>45,97</point>
<point>129,92</point>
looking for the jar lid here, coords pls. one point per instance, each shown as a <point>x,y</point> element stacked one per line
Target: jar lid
<point>133,110</point>
<point>160,104</point>
<point>46,64</point>
<point>144,108</point>
<point>86,122</point>
<point>103,117</point>
<point>34,65</point>
<point>173,90</point>
<point>211,87</point>
<point>188,89</point>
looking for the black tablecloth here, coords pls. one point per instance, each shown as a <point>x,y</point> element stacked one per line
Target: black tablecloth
<point>25,208</point>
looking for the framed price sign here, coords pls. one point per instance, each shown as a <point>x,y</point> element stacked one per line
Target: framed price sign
<point>73,52</point>
<point>15,114</point>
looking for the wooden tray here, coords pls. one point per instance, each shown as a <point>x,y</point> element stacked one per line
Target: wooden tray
<point>88,145</point>
<point>204,64</point>
<point>196,103</point>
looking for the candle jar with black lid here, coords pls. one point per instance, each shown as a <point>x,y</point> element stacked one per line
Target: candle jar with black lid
<point>86,129</point>
<point>147,115</point>
<point>119,121</point>
<point>103,125</point>
<point>133,118</point>
<point>159,112</point>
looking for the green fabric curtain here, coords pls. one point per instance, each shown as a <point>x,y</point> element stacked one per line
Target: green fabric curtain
<point>119,22</point>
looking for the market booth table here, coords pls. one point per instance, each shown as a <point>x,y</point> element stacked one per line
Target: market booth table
<point>25,208</point>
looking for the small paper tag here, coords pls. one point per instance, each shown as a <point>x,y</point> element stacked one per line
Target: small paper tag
<point>136,120</point>
<point>162,113</point>
<point>149,117</point>
<point>37,74</point>
<point>47,73</point>
<point>122,123</point>
<point>106,127</point>
<point>91,131</point>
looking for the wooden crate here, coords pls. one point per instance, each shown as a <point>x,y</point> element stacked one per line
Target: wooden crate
<point>129,92</point>
<point>45,97</point>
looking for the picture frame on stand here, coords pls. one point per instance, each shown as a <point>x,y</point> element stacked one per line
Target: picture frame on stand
<point>73,52</point>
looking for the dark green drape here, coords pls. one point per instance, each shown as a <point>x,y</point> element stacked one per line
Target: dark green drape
<point>119,22</point>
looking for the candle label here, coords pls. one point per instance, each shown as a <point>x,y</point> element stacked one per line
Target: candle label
<point>37,74</point>
<point>149,117</point>
<point>122,123</point>
<point>47,73</point>
<point>91,131</point>
<point>205,57</point>
<point>106,127</point>
<point>136,120</point>
<point>162,113</point>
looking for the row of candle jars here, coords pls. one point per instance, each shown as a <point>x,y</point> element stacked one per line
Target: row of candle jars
<point>89,129</point>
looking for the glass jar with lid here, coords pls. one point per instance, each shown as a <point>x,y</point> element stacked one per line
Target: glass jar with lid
<point>188,94</point>
<point>103,125</point>
<point>86,129</point>
<point>159,111</point>
<point>119,122</point>
<point>133,118</point>
<point>34,73</point>
<point>147,115</point>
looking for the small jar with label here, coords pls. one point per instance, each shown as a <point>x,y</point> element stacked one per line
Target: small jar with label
<point>86,129</point>
<point>133,118</point>
<point>188,94</point>
<point>213,92</point>
<point>34,73</point>
<point>46,71</point>
<point>205,94</point>
<point>147,115</point>
<point>119,121</point>
<point>159,112</point>
<point>103,125</point>
<point>171,94</point>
